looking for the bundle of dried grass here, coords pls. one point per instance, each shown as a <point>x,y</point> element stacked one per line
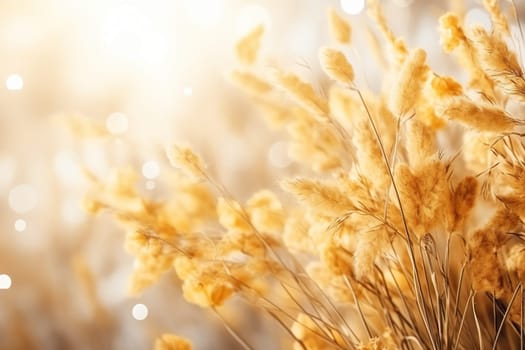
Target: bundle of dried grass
<point>393,248</point>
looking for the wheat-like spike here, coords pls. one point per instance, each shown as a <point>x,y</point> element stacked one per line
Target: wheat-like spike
<point>172,342</point>
<point>397,47</point>
<point>339,27</point>
<point>409,83</point>
<point>247,47</point>
<point>480,116</point>
<point>335,64</point>
<point>322,196</point>
<point>303,93</point>
<point>421,141</point>
<point>250,82</point>
<point>499,63</point>
<point>501,23</point>
<point>183,157</point>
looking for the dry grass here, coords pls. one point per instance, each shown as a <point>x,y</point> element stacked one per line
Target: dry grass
<point>391,245</point>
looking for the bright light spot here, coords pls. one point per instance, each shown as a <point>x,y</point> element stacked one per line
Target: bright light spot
<point>130,36</point>
<point>150,185</point>
<point>187,91</point>
<point>403,3</point>
<point>150,169</point>
<point>139,312</point>
<point>23,198</point>
<point>353,7</point>
<point>250,17</point>
<point>14,82</point>
<point>7,170</point>
<point>204,13</point>
<point>122,24</point>
<point>117,123</point>
<point>154,47</point>
<point>278,155</point>
<point>20,225</point>
<point>5,281</point>
<point>477,16</point>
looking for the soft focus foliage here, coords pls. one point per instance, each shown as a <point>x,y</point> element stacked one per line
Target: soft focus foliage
<point>406,231</point>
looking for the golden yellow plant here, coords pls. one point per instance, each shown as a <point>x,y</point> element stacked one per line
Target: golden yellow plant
<point>172,342</point>
<point>409,234</point>
<point>336,66</point>
<point>340,28</point>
